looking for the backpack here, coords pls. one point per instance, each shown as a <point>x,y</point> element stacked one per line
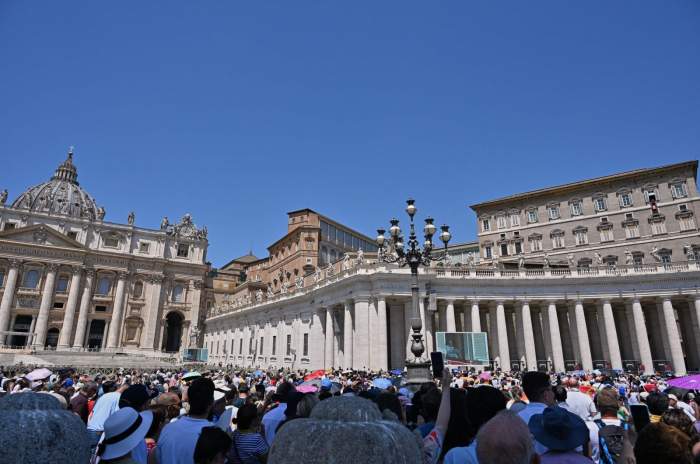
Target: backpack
<point>616,442</point>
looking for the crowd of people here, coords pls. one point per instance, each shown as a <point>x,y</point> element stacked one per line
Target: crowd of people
<point>233,415</point>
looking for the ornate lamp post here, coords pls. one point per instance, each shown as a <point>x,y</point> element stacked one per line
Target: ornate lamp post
<point>418,367</point>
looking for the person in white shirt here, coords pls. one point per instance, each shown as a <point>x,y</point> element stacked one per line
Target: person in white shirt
<point>580,403</point>
<point>608,403</point>
<point>178,439</point>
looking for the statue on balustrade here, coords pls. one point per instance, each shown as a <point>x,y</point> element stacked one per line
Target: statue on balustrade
<point>629,259</point>
<point>470,260</point>
<point>346,262</point>
<point>3,197</point>
<point>317,276</point>
<point>164,223</point>
<point>101,213</point>
<point>494,261</point>
<point>546,260</point>
<point>570,259</point>
<point>360,257</point>
<point>598,258</point>
<point>259,296</point>
<point>130,218</point>
<point>521,261</point>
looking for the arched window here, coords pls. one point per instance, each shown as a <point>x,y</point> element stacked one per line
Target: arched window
<point>334,256</point>
<point>177,294</point>
<point>32,279</point>
<point>62,283</point>
<point>138,289</point>
<point>103,286</point>
<point>324,254</point>
<point>2,277</point>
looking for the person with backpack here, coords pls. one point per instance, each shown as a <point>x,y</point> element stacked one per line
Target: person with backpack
<point>612,439</point>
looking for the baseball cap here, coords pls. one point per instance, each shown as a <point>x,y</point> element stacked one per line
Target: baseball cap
<point>326,384</point>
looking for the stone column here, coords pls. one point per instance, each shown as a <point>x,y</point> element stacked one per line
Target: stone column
<point>347,334</point>
<point>476,317</point>
<point>611,335</point>
<point>442,316</point>
<point>493,334</point>
<point>467,319</point>
<point>86,334</point>
<point>12,326</point>
<point>582,332</point>
<point>600,317</point>
<point>361,345</point>
<point>502,332</point>
<point>537,331</point>
<point>8,295</point>
<point>329,339</point>
<point>451,324</point>
<point>113,337</point>
<point>197,286</point>
<point>31,338</point>
<point>64,342</point>
<point>317,341</point>
<point>408,317</point>
<point>156,281</point>
<point>636,354</point>
<point>45,307</point>
<point>81,334</point>
<point>104,334</point>
<point>530,353</point>
<point>555,336</point>
<point>398,334</point>
<point>372,334</point>
<point>697,308</point>
<point>382,342</point>
<point>673,337</point>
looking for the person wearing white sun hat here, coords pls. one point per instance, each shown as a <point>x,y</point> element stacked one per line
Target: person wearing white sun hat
<point>123,430</point>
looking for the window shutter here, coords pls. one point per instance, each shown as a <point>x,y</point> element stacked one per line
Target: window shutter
<point>685,190</point>
<point>646,196</point>
<point>619,199</point>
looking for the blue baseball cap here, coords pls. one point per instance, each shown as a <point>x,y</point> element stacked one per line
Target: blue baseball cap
<point>326,384</point>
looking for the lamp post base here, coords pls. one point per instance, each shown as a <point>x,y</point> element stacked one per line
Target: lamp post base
<point>418,372</point>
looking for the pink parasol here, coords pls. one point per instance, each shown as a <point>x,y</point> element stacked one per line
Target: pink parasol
<point>307,388</point>
<point>485,375</point>
<point>38,374</point>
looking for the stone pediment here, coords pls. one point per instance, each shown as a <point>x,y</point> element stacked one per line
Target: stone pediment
<point>40,234</point>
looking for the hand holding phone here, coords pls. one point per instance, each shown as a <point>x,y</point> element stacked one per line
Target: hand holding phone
<point>437,360</point>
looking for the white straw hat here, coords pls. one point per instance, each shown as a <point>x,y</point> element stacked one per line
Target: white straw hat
<point>123,430</point>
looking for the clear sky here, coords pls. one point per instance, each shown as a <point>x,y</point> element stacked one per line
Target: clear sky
<point>238,112</point>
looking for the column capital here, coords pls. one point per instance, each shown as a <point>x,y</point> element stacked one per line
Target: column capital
<point>696,297</point>
<point>78,269</point>
<point>605,301</point>
<point>664,299</point>
<point>632,300</point>
<point>578,301</point>
<point>89,319</point>
<point>198,284</point>
<point>15,263</point>
<point>52,267</point>
<point>89,271</point>
<point>122,275</point>
<point>551,302</point>
<point>381,298</point>
<point>362,298</point>
<point>349,302</point>
<point>450,301</point>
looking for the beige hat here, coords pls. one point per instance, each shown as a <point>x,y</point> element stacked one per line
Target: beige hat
<point>672,397</point>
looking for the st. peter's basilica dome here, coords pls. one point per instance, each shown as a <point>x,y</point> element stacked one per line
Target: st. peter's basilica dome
<point>62,194</point>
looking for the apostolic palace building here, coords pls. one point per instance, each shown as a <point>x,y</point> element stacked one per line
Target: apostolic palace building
<point>602,272</point>
<point>69,280</point>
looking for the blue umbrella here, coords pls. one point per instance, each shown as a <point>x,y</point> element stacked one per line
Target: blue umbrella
<point>257,373</point>
<point>381,383</point>
<point>397,372</point>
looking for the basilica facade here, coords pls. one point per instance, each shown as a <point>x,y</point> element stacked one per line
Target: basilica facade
<point>70,280</point>
<point>592,274</point>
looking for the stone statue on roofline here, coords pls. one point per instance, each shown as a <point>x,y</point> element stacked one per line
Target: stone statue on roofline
<point>3,197</point>
<point>131,218</point>
<point>258,296</point>
<point>101,213</point>
<point>317,275</point>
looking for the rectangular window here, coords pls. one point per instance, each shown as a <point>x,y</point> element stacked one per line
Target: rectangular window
<point>504,249</point>
<point>658,227</point>
<point>289,345</point>
<point>518,247</point>
<point>683,207</point>
<point>306,345</point>
<point>332,231</point>
<point>632,231</point>
<point>72,235</point>
<point>665,258</point>
<point>576,209</point>
<point>606,235</point>
<point>501,222</point>
<point>536,245</point>
<point>183,250</point>
<point>581,238</point>
<point>638,261</point>
<point>485,224</point>
<point>558,241</point>
<point>240,347</point>
<point>514,220</point>
<point>601,204</point>
<point>101,309</point>
<point>144,247</point>
<point>626,199</point>
<point>687,223</point>
<point>217,347</point>
<point>487,250</point>
<point>553,212</point>
<point>10,226</point>
<point>629,215</point>
<point>62,284</point>
<point>231,346</point>
<point>679,191</point>
<point>340,236</point>
<point>111,242</point>
<point>262,345</point>
<point>274,345</point>
<point>532,216</point>
<point>324,229</point>
<point>250,345</point>
<point>58,305</point>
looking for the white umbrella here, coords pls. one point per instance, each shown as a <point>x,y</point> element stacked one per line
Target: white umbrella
<point>38,374</point>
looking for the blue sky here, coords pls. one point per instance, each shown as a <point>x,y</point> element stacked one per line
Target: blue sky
<point>238,112</point>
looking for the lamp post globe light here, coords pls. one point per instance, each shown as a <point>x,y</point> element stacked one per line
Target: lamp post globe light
<point>418,367</point>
